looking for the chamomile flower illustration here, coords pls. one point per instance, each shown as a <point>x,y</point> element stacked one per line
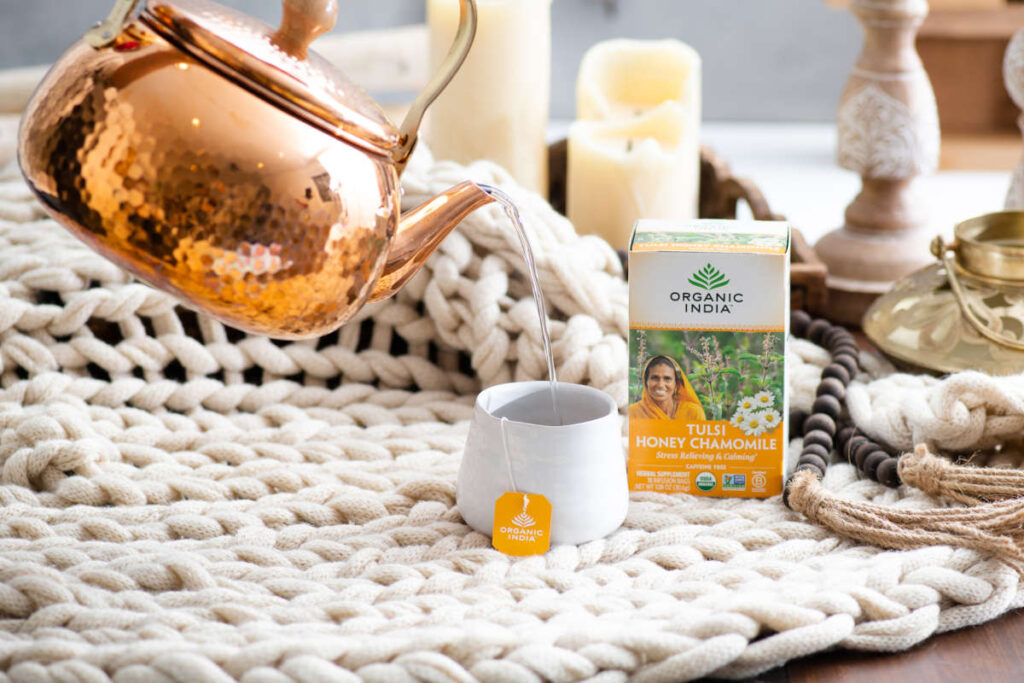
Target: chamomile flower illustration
<point>747,405</point>
<point>764,399</point>
<point>771,419</point>
<point>739,420</point>
<point>754,426</point>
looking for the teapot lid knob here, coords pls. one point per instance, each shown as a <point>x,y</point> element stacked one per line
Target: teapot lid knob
<point>302,22</point>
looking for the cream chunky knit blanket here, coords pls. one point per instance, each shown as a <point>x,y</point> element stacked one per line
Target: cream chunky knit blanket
<point>181,502</point>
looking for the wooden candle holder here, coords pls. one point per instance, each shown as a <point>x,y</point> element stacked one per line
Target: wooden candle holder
<point>1013,77</point>
<point>888,133</point>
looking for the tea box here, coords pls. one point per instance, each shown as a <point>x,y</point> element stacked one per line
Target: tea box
<point>709,315</point>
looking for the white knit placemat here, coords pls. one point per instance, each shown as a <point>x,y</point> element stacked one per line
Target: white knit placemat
<point>181,503</point>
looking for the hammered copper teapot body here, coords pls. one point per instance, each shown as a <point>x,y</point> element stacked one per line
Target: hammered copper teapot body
<point>215,158</point>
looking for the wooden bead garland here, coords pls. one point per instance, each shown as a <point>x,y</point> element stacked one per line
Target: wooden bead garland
<point>822,429</point>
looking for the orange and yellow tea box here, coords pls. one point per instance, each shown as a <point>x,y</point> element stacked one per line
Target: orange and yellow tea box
<point>709,314</point>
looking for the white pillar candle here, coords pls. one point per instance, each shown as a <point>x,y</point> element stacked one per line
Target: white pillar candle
<point>635,150</point>
<point>621,171</point>
<point>497,105</point>
<point>622,78</point>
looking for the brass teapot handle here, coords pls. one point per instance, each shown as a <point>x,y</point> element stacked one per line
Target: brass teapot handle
<point>106,32</point>
<point>456,56</point>
<point>945,253</point>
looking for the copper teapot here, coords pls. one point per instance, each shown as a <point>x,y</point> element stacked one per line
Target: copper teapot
<point>216,158</point>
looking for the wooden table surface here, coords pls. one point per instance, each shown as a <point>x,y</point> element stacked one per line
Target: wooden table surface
<point>992,652</point>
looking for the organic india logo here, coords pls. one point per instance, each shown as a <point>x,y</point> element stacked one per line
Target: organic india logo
<point>523,519</point>
<point>708,278</point>
<point>518,532</point>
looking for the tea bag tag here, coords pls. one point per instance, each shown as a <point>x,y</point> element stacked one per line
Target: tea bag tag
<point>522,521</point>
<point>522,524</point>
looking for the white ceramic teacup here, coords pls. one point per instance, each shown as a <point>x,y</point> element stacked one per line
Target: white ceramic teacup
<point>578,466</point>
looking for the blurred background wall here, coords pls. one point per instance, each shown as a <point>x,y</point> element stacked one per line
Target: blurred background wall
<point>764,60</point>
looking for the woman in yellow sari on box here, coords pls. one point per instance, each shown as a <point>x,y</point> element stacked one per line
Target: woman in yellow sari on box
<point>667,394</point>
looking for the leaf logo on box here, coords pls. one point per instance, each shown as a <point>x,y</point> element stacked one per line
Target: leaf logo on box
<point>708,278</point>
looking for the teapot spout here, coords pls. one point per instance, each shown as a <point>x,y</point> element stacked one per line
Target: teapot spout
<point>421,231</point>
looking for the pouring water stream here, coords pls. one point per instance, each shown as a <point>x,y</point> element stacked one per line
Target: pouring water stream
<point>512,212</point>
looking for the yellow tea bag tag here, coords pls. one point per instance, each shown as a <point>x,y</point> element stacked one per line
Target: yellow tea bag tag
<point>522,524</point>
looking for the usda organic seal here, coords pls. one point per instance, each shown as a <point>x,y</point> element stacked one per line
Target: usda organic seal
<point>705,481</point>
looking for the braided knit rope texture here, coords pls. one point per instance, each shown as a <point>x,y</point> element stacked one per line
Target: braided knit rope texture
<point>181,502</point>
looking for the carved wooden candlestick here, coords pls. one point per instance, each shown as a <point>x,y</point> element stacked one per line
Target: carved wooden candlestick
<point>889,133</point>
<point>1013,77</point>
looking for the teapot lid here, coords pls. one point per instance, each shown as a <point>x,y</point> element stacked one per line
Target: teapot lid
<point>275,65</point>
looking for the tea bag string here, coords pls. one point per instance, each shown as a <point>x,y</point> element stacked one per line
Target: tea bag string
<point>508,455</point>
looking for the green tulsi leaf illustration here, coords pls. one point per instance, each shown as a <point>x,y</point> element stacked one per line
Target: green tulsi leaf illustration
<point>708,278</point>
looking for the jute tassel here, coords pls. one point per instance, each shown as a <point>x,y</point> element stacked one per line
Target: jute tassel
<point>938,476</point>
<point>993,528</point>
